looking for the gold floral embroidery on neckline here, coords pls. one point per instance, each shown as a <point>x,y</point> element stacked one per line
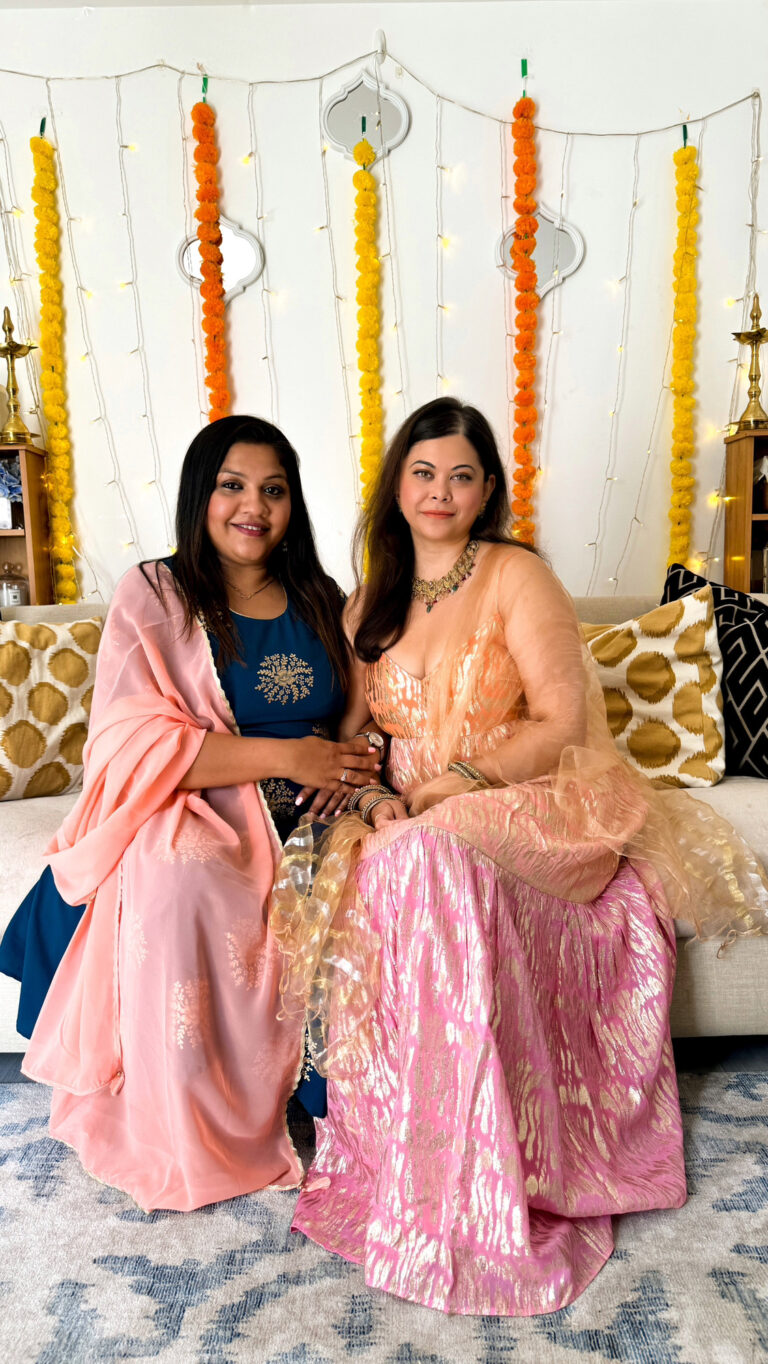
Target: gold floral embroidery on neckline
<point>284,677</point>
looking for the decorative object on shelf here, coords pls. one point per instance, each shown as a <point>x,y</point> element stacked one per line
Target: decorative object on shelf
<point>527,299</point>
<point>683,346</point>
<point>754,417</point>
<point>242,259</point>
<point>10,491</point>
<point>210,238</point>
<point>558,252</point>
<point>365,97</point>
<point>368,316</point>
<point>53,368</point>
<point>14,586</point>
<point>15,431</point>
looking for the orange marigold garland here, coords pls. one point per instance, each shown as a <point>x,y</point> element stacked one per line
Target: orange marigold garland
<point>526,300</point>
<point>209,237</point>
<point>368,317</point>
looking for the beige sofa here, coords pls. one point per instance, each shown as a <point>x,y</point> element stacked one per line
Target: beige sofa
<point>713,996</point>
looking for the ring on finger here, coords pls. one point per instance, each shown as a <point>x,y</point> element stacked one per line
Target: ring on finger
<point>343,777</point>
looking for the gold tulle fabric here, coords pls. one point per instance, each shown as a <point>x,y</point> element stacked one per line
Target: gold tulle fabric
<point>516,688</point>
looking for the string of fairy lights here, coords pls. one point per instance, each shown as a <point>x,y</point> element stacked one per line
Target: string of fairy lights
<point>13,232</point>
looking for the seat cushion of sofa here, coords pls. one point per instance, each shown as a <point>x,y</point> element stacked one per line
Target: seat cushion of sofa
<point>28,827</point>
<point>743,801</point>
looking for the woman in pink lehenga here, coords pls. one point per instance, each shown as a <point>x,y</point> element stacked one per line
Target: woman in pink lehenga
<point>218,666</point>
<point>489,972</point>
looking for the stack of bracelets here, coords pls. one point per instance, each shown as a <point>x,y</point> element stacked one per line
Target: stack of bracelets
<point>468,772</point>
<point>366,797</point>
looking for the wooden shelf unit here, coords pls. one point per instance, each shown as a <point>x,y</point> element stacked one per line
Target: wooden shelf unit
<point>746,512</point>
<point>28,545</point>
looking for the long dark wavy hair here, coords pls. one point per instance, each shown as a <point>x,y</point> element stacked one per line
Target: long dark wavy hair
<point>384,530</point>
<point>196,566</point>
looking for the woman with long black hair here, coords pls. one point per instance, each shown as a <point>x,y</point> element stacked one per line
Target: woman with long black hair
<point>220,677</point>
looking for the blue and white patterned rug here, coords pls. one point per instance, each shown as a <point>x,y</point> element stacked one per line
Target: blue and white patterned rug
<point>85,1276</point>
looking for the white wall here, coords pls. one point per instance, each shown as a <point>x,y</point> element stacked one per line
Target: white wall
<point>595,67</point>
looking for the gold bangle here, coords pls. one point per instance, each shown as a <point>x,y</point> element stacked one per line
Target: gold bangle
<point>361,791</point>
<point>374,801</point>
<point>468,772</point>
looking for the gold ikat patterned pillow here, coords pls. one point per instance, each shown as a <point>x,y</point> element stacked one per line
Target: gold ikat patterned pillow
<point>47,671</point>
<point>661,676</point>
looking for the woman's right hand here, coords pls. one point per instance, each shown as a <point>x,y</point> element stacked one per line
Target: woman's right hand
<point>320,764</point>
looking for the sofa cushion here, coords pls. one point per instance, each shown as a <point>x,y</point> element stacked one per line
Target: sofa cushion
<point>742,629</point>
<point>28,827</point>
<point>47,672</point>
<point>660,673</point>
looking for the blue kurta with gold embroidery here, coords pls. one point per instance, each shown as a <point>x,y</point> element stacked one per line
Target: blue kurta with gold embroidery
<point>284,688</point>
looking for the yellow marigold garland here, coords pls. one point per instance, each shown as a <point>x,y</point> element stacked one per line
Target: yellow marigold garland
<point>209,237</point>
<point>53,369</point>
<point>524,268</point>
<point>683,344</point>
<point>368,317</point>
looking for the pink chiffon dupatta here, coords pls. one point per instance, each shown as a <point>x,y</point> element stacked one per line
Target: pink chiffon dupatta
<point>175,929</point>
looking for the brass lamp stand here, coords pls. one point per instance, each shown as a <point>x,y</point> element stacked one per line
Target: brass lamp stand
<point>754,417</point>
<point>15,432</point>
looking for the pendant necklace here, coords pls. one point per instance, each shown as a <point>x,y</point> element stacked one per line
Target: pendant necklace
<point>249,596</point>
<point>432,590</point>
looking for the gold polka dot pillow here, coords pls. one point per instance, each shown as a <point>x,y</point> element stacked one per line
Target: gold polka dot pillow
<point>661,677</point>
<point>47,671</point>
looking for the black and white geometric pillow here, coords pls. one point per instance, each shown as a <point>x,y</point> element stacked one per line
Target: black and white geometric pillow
<point>742,629</point>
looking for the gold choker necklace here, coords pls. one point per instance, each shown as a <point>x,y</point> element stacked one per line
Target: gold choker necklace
<point>432,590</point>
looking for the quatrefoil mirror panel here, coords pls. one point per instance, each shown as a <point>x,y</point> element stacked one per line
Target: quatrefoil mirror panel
<point>386,115</point>
<point>558,252</point>
<point>242,259</point>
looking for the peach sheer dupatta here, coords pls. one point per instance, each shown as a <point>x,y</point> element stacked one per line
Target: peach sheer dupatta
<point>692,862</point>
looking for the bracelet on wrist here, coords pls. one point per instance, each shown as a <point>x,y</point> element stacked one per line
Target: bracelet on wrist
<point>372,802</point>
<point>468,772</point>
<point>361,791</point>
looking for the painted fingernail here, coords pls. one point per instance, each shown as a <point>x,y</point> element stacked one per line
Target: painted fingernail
<point>299,800</point>
<point>373,750</point>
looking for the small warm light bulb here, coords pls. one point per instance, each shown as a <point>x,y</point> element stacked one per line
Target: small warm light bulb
<point>18,212</point>
<point>713,500</point>
<point>730,303</point>
<point>83,358</point>
<point>89,293</point>
<point>124,284</point>
<point>246,160</point>
<point>445,242</point>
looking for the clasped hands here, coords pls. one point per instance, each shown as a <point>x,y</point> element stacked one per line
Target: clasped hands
<point>360,769</point>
